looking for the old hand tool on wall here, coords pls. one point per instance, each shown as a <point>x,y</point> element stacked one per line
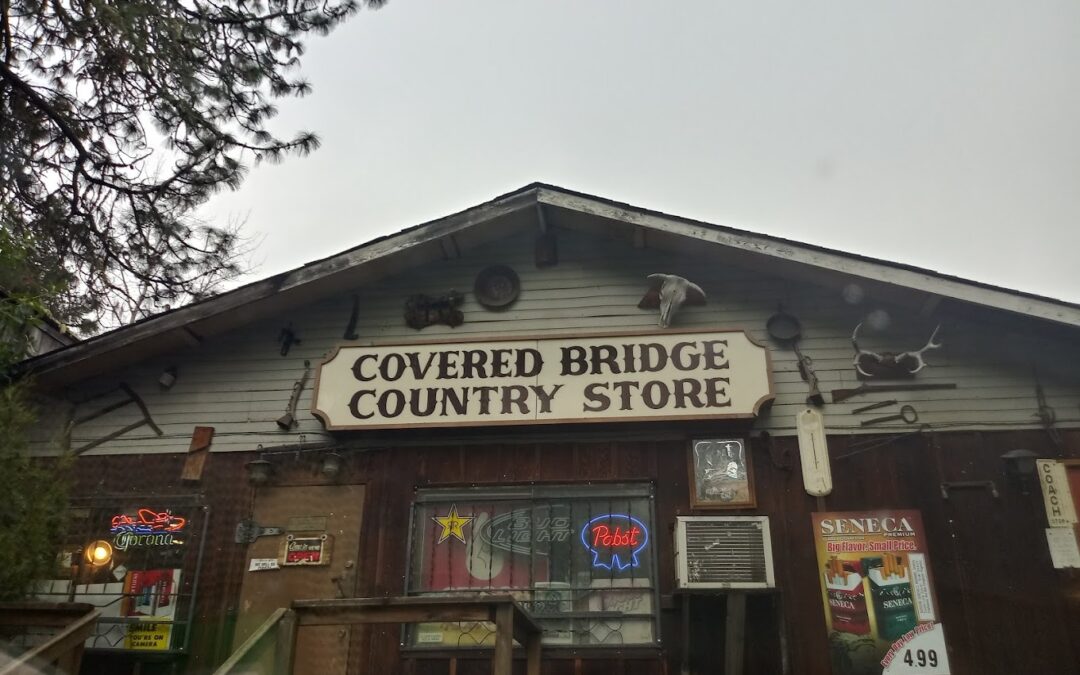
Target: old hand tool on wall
<point>839,395</point>
<point>288,420</point>
<point>907,415</point>
<point>786,329</point>
<point>875,406</point>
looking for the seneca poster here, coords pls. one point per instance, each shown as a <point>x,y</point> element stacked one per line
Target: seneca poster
<point>881,613</point>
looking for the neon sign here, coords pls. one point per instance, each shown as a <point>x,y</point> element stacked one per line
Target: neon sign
<point>146,528</point>
<point>147,521</point>
<point>615,540</point>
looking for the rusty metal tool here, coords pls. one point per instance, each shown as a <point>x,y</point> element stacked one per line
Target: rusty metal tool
<point>875,406</point>
<point>839,395</point>
<point>907,415</point>
<point>786,329</point>
<point>288,420</point>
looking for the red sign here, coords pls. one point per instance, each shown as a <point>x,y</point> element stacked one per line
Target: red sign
<point>603,535</point>
<point>307,550</point>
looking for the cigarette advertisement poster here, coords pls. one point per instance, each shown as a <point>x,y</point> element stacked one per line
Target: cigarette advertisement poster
<point>150,595</point>
<point>880,609</point>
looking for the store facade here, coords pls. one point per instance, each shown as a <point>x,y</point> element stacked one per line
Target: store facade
<point>683,448</point>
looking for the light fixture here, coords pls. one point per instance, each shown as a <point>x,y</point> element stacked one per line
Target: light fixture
<point>167,378</point>
<point>259,471</point>
<point>331,465</point>
<point>99,553</point>
<point>1020,468</point>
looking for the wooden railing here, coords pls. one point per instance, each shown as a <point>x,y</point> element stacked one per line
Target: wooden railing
<point>511,621</point>
<point>281,628</point>
<point>62,651</point>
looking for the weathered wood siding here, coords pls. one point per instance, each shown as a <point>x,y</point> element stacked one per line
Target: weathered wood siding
<point>239,383</point>
<point>1005,609</point>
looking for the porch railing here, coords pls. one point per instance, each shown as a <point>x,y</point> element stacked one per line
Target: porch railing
<point>60,650</point>
<point>511,621</point>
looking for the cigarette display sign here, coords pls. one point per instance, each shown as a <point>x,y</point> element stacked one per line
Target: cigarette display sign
<point>881,613</point>
<point>674,375</point>
<point>312,550</point>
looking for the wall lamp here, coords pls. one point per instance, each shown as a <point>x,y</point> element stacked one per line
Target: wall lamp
<point>259,471</point>
<point>167,378</point>
<point>99,553</point>
<point>331,465</point>
<point>1020,468</point>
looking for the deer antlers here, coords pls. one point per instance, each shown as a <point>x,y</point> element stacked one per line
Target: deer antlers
<point>889,364</point>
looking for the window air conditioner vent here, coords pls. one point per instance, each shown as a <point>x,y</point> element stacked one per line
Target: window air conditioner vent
<point>723,552</point>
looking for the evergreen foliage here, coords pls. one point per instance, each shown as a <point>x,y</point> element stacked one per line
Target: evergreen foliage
<point>32,512</point>
<point>119,117</point>
<point>34,493</point>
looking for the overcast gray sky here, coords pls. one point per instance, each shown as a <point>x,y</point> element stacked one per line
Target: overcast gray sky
<point>940,134</point>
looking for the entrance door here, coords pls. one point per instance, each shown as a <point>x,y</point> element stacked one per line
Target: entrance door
<point>306,514</point>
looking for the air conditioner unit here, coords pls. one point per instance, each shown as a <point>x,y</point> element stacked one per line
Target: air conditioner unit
<point>717,552</point>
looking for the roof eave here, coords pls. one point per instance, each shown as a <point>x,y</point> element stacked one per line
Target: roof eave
<point>530,196</point>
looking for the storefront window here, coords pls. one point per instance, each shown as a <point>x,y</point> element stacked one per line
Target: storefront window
<point>580,558</point>
<point>136,561</point>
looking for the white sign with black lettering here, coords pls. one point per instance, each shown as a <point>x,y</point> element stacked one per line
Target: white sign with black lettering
<point>1064,548</point>
<point>920,652</point>
<point>1060,509</point>
<point>263,564</point>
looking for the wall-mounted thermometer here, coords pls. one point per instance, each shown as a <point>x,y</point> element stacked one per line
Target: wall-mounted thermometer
<point>814,453</point>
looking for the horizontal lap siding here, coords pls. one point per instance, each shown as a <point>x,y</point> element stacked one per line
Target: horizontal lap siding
<point>240,384</point>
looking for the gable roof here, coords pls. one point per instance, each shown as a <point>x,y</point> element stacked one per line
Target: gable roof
<point>537,207</point>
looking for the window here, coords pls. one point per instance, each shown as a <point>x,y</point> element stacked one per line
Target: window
<point>580,558</point>
<point>135,559</point>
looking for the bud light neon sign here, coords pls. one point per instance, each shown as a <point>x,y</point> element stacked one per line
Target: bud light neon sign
<point>615,540</point>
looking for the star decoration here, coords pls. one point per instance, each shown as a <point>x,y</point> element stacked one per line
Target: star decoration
<point>451,525</point>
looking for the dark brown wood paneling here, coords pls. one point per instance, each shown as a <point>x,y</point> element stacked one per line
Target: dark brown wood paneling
<point>1004,607</point>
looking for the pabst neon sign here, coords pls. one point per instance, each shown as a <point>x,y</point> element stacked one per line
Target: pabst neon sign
<point>615,540</point>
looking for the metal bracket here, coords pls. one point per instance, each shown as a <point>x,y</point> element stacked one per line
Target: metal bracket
<point>953,485</point>
<point>247,531</point>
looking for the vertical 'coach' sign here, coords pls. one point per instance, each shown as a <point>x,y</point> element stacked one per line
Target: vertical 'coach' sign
<point>543,381</point>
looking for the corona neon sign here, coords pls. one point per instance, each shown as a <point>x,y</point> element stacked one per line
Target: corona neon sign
<point>146,528</point>
<point>147,521</point>
<point>615,540</point>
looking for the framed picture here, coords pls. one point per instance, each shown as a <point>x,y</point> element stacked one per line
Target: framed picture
<point>720,475</point>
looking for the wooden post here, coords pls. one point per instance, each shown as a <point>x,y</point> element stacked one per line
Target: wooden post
<point>503,660</point>
<point>285,644</point>
<point>734,634</point>
<point>70,663</point>
<point>532,654</point>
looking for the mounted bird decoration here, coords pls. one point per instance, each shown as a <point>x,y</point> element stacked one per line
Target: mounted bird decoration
<point>670,293</point>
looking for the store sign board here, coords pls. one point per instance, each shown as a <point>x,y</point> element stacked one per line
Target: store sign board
<point>1057,496</point>
<point>148,635</point>
<point>880,609</point>
<point>306,550</point>
<point>600,378</point>
<point>263,564</point>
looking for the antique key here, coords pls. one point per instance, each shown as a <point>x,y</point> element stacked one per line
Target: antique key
<point>907,414</point>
